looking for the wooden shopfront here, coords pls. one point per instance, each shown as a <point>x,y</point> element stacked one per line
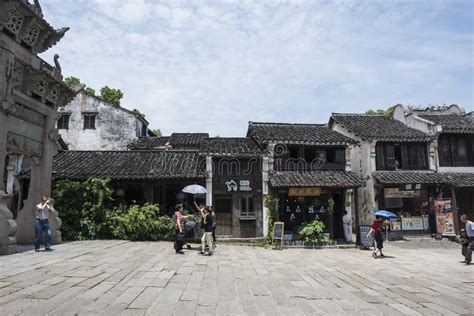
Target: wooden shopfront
<point>237,197</point>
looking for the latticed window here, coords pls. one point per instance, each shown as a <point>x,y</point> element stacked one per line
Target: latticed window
<point>63,122</point>
<point>246,207</point>
<point>89,120</point>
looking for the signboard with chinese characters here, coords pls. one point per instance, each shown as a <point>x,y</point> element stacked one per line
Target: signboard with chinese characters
<point>304,191</point>
<point>397,193</point>
<point>444,217</point>
<point>411,187</point>
<point>412,223</point>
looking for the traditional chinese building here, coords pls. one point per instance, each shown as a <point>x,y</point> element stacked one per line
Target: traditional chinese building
<point>453,134</point>
<point>156,169</point>
<point>308,168</point>
<point>234,184</point>
<point>399,163</point>
<point>88,123</point>
<point>31,90</point>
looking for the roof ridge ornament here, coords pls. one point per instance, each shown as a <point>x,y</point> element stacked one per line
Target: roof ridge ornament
<point>38,9</point>
<point>57,66</point>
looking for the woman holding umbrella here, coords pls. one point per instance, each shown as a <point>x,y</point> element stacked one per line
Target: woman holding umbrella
<point>377,229</point>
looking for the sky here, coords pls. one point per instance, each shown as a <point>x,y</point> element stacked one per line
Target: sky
<point>213,66</point>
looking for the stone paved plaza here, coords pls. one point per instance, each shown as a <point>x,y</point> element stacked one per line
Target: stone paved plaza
<point>127,278</point>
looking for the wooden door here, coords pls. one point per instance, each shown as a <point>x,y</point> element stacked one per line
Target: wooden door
<point>223,207</point>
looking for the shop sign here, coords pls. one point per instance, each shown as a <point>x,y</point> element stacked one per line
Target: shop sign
<point>231,186</point>
<point>397,193</point>
<point>304,191</point>
<point>411,187</point>
<point>412,223</point>
<point>245,185</point>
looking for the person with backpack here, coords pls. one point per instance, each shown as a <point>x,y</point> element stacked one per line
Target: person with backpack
<point>377,230</point>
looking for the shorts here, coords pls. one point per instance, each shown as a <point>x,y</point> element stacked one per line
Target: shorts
<point>379,241</point>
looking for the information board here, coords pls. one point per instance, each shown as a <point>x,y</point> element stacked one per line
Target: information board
<point>363,241</point>
<point>412,223</point>
<point>278,234</point>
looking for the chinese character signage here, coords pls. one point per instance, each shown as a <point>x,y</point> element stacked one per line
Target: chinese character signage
<point>304,191</point>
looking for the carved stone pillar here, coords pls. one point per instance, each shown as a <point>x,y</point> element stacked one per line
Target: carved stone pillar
<point>40,184</point>
<point>7,227</point>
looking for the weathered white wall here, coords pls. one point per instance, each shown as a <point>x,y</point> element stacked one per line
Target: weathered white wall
<point>362,164</point>
<point>115,127</point>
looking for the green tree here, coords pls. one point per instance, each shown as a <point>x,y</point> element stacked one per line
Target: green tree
<point>111,95</point>
<point>89,91</point>
<point>137,112</point>
<point>388,112</point>
<point>157,132</point>
<point>84,207</point>
<point>72,82</point>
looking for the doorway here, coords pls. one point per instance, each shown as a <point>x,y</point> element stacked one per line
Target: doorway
<point>223,206</point>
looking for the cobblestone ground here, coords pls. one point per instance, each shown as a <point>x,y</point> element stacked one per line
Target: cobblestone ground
<point>118,277</point>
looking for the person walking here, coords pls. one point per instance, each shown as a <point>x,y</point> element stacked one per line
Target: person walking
<point>469,228</point>
<point>207,226</point>
<point>179,226</point>
<point>377,230</point>
<point>42,223</point>
<point>347,225</point>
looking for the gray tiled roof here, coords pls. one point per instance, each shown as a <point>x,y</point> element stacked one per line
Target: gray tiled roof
<point>451,123</point>
<point>287,133</point>
<point>132,165</point>
<point>176,140</point>
<point>378,128</point>
<point>231,147</point>
<point>461,179</point>
<point>316,178</point>
<point>149,143</point>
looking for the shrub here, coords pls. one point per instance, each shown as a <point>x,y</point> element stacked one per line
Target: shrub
<point>313,231</point>
<point>83,207</point>
<point>141,223</point>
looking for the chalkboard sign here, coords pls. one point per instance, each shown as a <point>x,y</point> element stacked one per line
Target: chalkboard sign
<point>362,240</point>
<point>278,232</point>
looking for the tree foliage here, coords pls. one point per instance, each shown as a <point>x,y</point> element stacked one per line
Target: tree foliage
<point>138,113</point>
<point>111,95</point>
<point>157,132</point>
<point>141,223</point>
<point>388,112</point>
<point>87,211</point>
<point>89,91</point>
<point>72,82</point>
<point>83,207</point>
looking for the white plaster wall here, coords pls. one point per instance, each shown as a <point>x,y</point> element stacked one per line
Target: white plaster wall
<point>362,164</point>
<point>115,127</point>
<point>456,169</point>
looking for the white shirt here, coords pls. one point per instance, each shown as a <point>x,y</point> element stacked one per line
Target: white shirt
<point>347,220</point>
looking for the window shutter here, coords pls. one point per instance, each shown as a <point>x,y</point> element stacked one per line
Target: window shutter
<point>405,159</point>
<point>390,157</point>
<point>421,155</point>
<point>380,157</point>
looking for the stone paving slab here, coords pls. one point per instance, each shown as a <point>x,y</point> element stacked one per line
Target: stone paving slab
<point>131,278</point>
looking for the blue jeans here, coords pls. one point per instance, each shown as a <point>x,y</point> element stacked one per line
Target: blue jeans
<point>42,226</point>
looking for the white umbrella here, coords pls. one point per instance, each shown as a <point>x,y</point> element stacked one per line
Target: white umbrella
<point>194,189</point>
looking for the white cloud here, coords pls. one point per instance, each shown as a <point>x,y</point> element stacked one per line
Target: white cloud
<point>213,66</point>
